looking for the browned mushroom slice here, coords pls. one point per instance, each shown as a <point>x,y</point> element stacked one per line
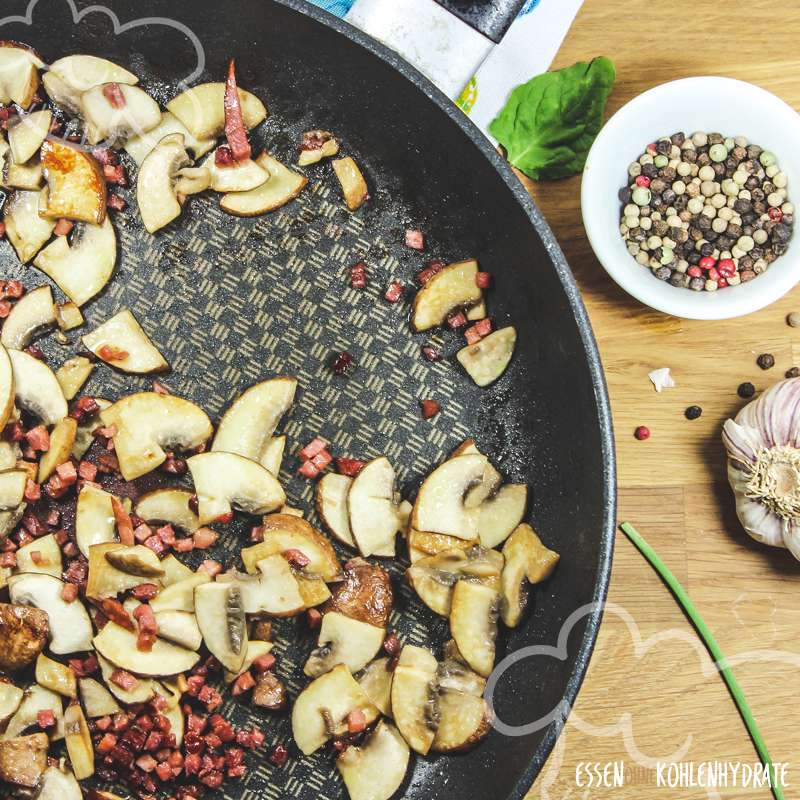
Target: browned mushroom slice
<point>23,759</point>
<point>365,593</point>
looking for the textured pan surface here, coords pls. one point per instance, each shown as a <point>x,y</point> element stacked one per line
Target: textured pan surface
<point>233,301</point>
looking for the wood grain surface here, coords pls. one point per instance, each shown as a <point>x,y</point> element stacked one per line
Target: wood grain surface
<point>651,699</point>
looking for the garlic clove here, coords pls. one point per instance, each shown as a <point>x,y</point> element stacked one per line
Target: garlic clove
<point>742,441</point>
<point>791,537</point>
<point>757,520</point>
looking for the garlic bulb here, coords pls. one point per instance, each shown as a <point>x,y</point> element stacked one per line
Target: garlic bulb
<point>763,445</point>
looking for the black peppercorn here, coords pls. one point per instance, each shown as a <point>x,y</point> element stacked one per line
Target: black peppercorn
<point>794,372</point>
<point>693,412</point>
<point>766,361</point>
<point>746,390</point>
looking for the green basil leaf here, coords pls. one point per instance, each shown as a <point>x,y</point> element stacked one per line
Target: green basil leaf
<point>549,123</point>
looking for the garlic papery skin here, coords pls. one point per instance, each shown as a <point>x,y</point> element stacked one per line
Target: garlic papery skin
<point>763,446</point>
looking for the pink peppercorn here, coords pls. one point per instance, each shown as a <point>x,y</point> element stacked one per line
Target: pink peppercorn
<point>694,272</point>
<point>643,180</point>
<point>642,433</point>
<point>706,262</point>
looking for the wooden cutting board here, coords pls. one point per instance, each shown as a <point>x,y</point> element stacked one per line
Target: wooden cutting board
<point>651,694</point>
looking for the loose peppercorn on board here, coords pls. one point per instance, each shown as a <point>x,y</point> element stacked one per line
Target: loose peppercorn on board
<point>288,542</point>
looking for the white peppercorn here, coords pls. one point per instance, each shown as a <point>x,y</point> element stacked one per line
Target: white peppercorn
<point>706,173</point>
<point>774,199</point>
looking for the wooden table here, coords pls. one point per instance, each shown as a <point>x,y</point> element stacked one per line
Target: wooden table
<point>673,487</point>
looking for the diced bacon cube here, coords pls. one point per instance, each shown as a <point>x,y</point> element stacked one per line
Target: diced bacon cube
<point>8,560</point>
<point>433,267</point>
<point>164,771</point>
<point>87,470</point>
<point>313,618</point>
<point>211,567</point>
<point>123,679</point>
<point>142,532</point>
<point>358,276</point>
<point>457,320</point>
<point>430,408</point>
<point>155,544</point>
<point>106,744</point>
<point>5,308</point>
<point>115,202</point>
<point>63,227</point>
<point>315,446</point>
<point>321,460</point>
<point>45,718</point>
<point>476,332</point>
<point>69,592</point>
<point>483,280</point>
<point>356,721</point>
<point>160,388</point>
<point>308,470</point>
<point>145,591</point>
<point>243,683</point>
<point>415,239</point>
<point>204,538</point>
<point>350,466</point>
<point>33,491</point>
<point>67,473</point>
<point>38,438</point>
<point>394,292</point>
<point>264,663</point>
<point>147,763</point>
<point>167,534</point>
<point>183,545</point>
<point>14,289</point>
<point>296,558</point>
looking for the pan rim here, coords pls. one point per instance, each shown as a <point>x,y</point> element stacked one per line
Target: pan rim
<point>570,287</point>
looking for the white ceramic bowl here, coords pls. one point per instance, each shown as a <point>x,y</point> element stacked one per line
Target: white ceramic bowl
<point>722,105</point>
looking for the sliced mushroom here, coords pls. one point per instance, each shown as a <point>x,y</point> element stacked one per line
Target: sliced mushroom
<point>12,488</point>
<point>139,147</point>
<point>255,649</point>
<point>10,698</point>
<point>168,505</point>
<point>76,186</point>
<point>155,185</point>
<point>422,544</point>
<point>324,705</point>
<point>354,187</point>
<point>25,177</point>
<point>115,568</point>
<point>452,288</point>
<point>19,76</point>
<point>527,560</point>
<point>272,458</point>
<point>62,440</point>
<point>179,596</point>
<point>240,176</point>
<point>141,692</point>
<point>68,316</point>
<point>220,615</point>
<point>473,624</point>
<point>94,518</point>
<point>96,699</point>
<point>247,426</point>
<point>72,374</point>
<point>174,571</point>
<point>84,435</point>
<point>56,677</point>
<point>26,230</point>
<point>79,742</point>
<point>343,640</point>
<point>376,680</point>
<point>434,577</point>
<point>6,388</point>
<point>122,342</point>
<point>69,77</point>
<point>136,560</point>
<point>490,483</point>
<point>283,532</point>
<point>275,591</point>
<point>201,109</point>
<point>502,513</point>
<point>40,555</point>
<point>375,769</point>
<point>488,359</point>
<point>59,784</point>
<point>224,481</point>
<point>415,697</point>
<point>147,422</point>
<point>371,509</point>
<point>30,315</point>
<point>316,146</point>
<point>283,185</point>
<point>27,133</point>
<point>136,114</point>
<point>36,699</point>
<point>23,635</point>
<point>84,266</point>
<point>36,388</point>
<point>269,692</point>
<point>364,594</point>
<point>118,645</point>
<point>23,760</point>
<point>440,504</point>
<point>179,627</point>
<point>332,491</point>
<point>70,626</point>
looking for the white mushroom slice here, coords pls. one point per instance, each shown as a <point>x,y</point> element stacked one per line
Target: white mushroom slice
<point>202,109</point>
<point>36,699</point>
<point>70,626</point>
<point>452,288</point>
<point>26,230</point>
<point>283,185</point>
<point>36,388</point>
<point>76,186</point>
<point>115,568</point>
<point>155,184</point>
<point>499,515</point>
<point>255,649</point>
<point>247,426</point>
<point>220,615</point>
<point>10,698</point>
<point>147,422</point>
<point>473,624</point>
<point>273,456</point>
<point>62,440</point>
<point>6,388</point>
<point>343,640</point>
<point>179,596</point>
<point>139,146</point>
<point>96,699</point>
<point>174,571</point>
<point>332,491</point>
<point>376,680</point>
<point>440,508</point>
<point>27,177</point>
<point>59,784</point>
<point>191,180</point>
<point>371,509</point>
<point>224,481</point>
<point>354,187</point>
<point>56,677</point>
<point>179,627</point>
<point>136,560</point>
<point>316,146</point>
<point>118,645</point>
<point>241,176</point>
<point>324,705</point>
<point>94,518</point>
<point>8,521</point>
<point>78,739</point>
<point>83,266</point>
<point>68,316</point>
<point>168,505</point>
<point>486,360</point>
<point>72,374</point>
<point>491,477</point>
<point>69,77</point>
<point>32,313</point>
<point>136,114</point>
<point>12,488</point>
<point>143,691</point>
<point>122,342</point>
<point>274,591</point>
<point>527,560</point>
<point>414,697</point>
<point>375,769</point>
<point>26,134</point>
<point>10,453</point>
<point>284,532</point>
<point>19,76</point>
<point>41,555</point>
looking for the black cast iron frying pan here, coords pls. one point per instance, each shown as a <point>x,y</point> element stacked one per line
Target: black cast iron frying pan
<point>233,301</point>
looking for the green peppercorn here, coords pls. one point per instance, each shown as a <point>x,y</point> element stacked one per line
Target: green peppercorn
<point>767,158</point>
<point>746,390</point>
<point>641,195</point>
<point>718,152</point>
<point>693,412</point>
